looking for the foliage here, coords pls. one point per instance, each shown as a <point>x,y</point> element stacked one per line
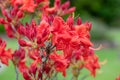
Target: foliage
<point>106,10</point>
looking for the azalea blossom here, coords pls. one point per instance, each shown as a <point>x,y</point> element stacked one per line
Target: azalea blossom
<point>5,55</point>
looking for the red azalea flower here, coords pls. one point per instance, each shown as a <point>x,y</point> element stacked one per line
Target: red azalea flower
<point>28,5</point>
<point>61,40</point>
<point>16,2</point>
<point>75,42</point>
<point>83,32</point>
<point>59,25</point>
<point>5,55</point>
<point>60,62</point>
<point>60,35</point>
<point>43,31</point>
<point>92,63</point>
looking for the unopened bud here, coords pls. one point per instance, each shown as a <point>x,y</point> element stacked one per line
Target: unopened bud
<point>20,14</point>
<point>23,43</point>
<point>4,12</point>
<point>9,31</point>
<point>22,30</point>
<point>2,21</point>
<point>14,11</point>
<point>79,21</point>
<point>65,5</point>
<point>9,19</point>
<point>57,3</point>
<point>90,26</point>
<point>70,21</point>
<point>71,10</point>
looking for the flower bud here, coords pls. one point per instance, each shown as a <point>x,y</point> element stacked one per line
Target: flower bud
<point>57,3</point>
<point>8,19</point>
<point>23,43</point>
<point>4,12</point>
<point>14,11</point>
<point>65,5</point>
<point>22,30</point>
<point>19,14</point>
<point>79,21</point>
<point>69,11</point>
<point>2,21</point>
<point>90,26</point>
<point>70,21</point>
<point>9,31</point>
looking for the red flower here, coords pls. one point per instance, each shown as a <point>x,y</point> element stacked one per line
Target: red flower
<point>59,25</point>
<point>92,63</point>
<point>16,2</point>
<point>43,31</point>
<point>75,42</point>
<point>5,55</point>
<point>60,62</point>
<point>28,5</point>
<point>60,36</point>
<point>61,41</point>
<point>83,32</point>
<point>18,56</point>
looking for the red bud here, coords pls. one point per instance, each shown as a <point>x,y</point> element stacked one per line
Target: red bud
<point>2,21</point>
<point>79,21</point>
<point>23,43</point>
<point>20,14</point>
<point>65,5</point>
<point>71,10</point>
<point>57,3</point>
<point>70,21</point>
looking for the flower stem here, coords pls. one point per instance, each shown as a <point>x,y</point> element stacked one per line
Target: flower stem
<point>17,73</point>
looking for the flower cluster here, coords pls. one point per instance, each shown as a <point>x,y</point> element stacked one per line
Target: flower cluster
<point>46,43</point>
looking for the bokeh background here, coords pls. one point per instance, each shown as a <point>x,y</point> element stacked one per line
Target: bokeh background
<point>105,18</point>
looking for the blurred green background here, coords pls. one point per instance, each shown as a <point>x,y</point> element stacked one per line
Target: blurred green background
<point>105,18</point>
